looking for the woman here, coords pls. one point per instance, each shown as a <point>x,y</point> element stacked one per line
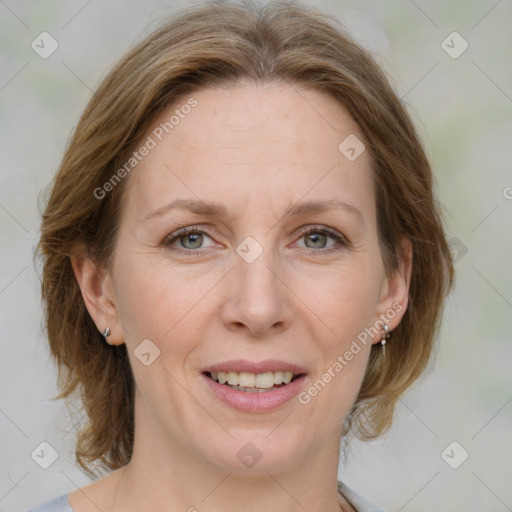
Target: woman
<point>244,263</point>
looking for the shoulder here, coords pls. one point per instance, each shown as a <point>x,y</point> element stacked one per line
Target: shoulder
<point>60,504</point>
<point>357,501</point>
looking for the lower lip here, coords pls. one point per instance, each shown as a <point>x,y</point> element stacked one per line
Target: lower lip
<point>255,402</point>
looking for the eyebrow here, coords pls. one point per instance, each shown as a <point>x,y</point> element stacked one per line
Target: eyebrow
<point>218,210</point>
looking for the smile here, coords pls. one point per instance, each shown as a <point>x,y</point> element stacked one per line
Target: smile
<point>253,382</point>
<point>254,387</point>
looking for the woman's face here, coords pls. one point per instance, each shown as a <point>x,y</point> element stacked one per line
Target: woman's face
<point>250,290</point>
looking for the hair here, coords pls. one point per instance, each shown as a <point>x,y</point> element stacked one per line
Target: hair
<point>220,44</point>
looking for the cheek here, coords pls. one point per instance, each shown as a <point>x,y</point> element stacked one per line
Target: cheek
<point>344,303</point>
<point>158,300</point>
<point>344,298</point>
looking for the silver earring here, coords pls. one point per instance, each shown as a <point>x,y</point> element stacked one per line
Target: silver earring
<point>106,332</point>
<point>384,337</point>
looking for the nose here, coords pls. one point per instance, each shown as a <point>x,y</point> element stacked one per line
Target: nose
<point>258,300</point>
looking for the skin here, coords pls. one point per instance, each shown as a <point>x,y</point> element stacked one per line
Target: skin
<point>256,149</point>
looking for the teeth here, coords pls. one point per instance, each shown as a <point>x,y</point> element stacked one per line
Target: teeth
<point>248,380</point>
<point>250,390</point>
<point>265,380</point>
<point>233,378</point>
<point>253,380</point>
<point>279,377</point>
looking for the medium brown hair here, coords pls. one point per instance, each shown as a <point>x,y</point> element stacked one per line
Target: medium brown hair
<point>222,43</point>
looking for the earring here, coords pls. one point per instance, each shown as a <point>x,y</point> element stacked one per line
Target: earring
<point>384,337</point>
<point>106,332</point>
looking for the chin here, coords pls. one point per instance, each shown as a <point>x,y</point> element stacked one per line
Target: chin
<point>254,451</point>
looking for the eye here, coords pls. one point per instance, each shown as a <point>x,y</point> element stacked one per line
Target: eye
<point>190,239</point>
<point>317,238</point>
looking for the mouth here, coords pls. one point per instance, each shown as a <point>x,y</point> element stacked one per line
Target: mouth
<point>255,387</point>
<point>254,382</point>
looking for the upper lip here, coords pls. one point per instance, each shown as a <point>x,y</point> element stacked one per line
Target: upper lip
<point>268,365</point>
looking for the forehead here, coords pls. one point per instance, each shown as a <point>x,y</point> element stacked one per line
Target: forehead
<point>251,145</point>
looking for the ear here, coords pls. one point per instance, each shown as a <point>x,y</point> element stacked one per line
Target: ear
<point>394,297</point>
<point>98,293</point>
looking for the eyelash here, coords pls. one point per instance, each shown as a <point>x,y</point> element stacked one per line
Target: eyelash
<point>341,240</point>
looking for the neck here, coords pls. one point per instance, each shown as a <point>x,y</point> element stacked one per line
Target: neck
<point>164,475</point>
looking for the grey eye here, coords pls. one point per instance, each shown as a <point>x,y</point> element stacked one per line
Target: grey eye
<point>192,240</point>
<point>318,240</point>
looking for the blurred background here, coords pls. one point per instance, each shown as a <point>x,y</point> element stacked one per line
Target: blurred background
<point>450,448</point>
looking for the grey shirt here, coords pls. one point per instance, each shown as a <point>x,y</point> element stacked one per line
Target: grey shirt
<point>61,504</point>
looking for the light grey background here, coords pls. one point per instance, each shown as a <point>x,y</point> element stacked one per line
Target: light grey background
<point>463,109</point>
